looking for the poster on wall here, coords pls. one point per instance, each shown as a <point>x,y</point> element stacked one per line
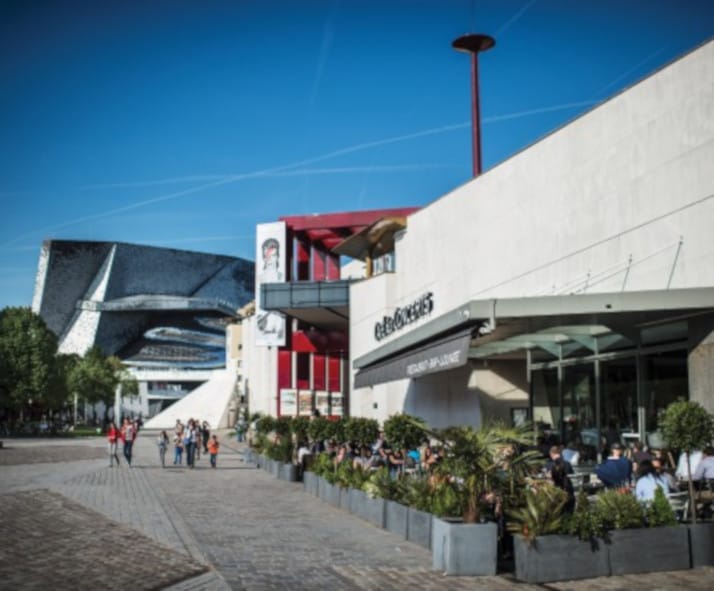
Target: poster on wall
<point>322,402</point>
<point>305,403</point>
<point>270,257</point>
<point>288,403</point>
<point>337,404</point>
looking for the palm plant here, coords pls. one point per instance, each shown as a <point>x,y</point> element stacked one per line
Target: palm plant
<point>541,514</point>
<point>485,463</point>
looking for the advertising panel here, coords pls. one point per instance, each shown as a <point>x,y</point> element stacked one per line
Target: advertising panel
<point>269,268</point>
<point>305,402</point>
<point>288,403</point>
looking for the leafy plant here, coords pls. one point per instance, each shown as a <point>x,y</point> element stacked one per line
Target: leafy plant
<point>418,492</point>
<point>586,522</point>
<point>542,513</point>
<point>381,485</point>
<point>335,429</point>
<point>299,427</point>
<point>404,431</point>
<point>361,430</point>
<point>480,464</point>
<point>659,513</point>
<point>265,424</point>
<point>445,502</point>
<point>347,476</point>
<point>283,426</point>
<point>687,426</point>
<point>324,466</point>
<point>280,450</point>
<point>318,429</point>
<point>619,510</point>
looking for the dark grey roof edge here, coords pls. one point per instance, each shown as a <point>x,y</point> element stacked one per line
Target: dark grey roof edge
<point>477,311</point>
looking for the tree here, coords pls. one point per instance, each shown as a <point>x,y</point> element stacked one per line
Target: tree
<point>687,426</point>
<point>27,358</point>
<point>95,378</point>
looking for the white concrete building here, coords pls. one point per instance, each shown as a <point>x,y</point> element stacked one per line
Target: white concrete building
<point>580,271</point>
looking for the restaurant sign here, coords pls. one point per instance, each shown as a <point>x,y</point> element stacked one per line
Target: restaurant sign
<point>404,316</point>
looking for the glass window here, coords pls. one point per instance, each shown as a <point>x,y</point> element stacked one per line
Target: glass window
<point>618,400</point>
<point>667,380</point>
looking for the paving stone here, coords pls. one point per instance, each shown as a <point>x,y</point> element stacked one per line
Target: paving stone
<point>257,532</point>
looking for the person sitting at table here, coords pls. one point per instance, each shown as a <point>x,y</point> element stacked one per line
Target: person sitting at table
<point>658,465</point>
<point>705,468</point>
<point>571,453</point>
<point>554,457</point>
<point>616,470</point>
<point>639,454</point>
<point>559,476</point>
<point>681,473</point>
<point>648,481</point>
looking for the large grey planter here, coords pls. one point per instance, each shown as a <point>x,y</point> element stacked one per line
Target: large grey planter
<point>559,558</point>
<point>310,482</point>
<point>419,527</point>
<point>288,472</point>
<point>371,510</point>
<point>701,544</point>
<point>329,493</point>
<point>345,498</point>
<point>396,518</point>
<point>275,468</point>
<point>649,549</point>
<point>464,549</point>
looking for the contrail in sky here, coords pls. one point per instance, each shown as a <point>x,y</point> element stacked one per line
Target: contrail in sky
<point>513,19</point>
<point>327,36</point>
<point>269,172</point>
<point>296,172</point>
<point>632,69</point>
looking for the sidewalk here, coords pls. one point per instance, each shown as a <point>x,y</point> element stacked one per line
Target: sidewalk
<point>260,533</point>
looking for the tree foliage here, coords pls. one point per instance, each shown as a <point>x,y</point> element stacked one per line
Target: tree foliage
<point>404,431</point>
<point>687,426</point>
<point>94,377</point>
<point>27,358</point>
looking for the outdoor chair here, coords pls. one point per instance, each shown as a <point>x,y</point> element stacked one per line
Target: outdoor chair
<point>679,502</point>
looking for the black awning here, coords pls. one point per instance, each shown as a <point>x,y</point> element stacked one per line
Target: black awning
<point>446,353</point>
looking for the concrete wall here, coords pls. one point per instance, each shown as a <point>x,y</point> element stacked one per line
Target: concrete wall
<point>622,198</point>
<point>260,372</point>
<point>700,362</point>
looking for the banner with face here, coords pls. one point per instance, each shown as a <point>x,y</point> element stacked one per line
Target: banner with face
<point>269,268</point>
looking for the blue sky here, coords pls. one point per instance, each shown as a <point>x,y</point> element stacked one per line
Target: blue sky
<point>183,124</point>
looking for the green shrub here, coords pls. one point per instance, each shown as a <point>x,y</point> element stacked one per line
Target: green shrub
<point>283,426</point>
<point>299,428</point>
<point>318,429</point>
<point>586,522</point>
<point>418,493</point>
<point>619,510</point>
<point>265,424</point>
<point>280,450</point>
<point>659,513</point>
<point>360,430</point>
<point>381,485</point>
<point>542,513</point>
<point>324,466</point>
<point>445,501</point>
<point>335,430</point>
<point>404,431</point>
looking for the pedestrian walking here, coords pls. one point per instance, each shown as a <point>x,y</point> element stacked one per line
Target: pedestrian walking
<point>189,442</point>
<point>128,434</point>
<point>163,443</point>
<point>213,450</point>
<point>178,449</point>
<point>113,439</point>
<point>205,435</point>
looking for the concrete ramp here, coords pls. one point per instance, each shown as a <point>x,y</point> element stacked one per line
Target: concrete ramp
<point>209,402</point>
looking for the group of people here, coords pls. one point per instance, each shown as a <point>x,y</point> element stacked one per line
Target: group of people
<point>190,439</point>
<point>377,455</point>
<point>126,435</point>
<point>638,469</point>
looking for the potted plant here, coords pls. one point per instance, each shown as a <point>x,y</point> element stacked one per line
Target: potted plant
<point>687,426</point>
<point>634,548</point>
<point>543,551</point>
<point>479,468</point>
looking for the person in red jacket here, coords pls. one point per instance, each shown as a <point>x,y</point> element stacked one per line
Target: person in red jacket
<point>128,434</point>
<point>113,438</point>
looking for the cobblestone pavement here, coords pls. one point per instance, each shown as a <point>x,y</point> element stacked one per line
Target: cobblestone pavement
<point>260,533</point>
<point>13,455</point>
<point>50,542</point>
